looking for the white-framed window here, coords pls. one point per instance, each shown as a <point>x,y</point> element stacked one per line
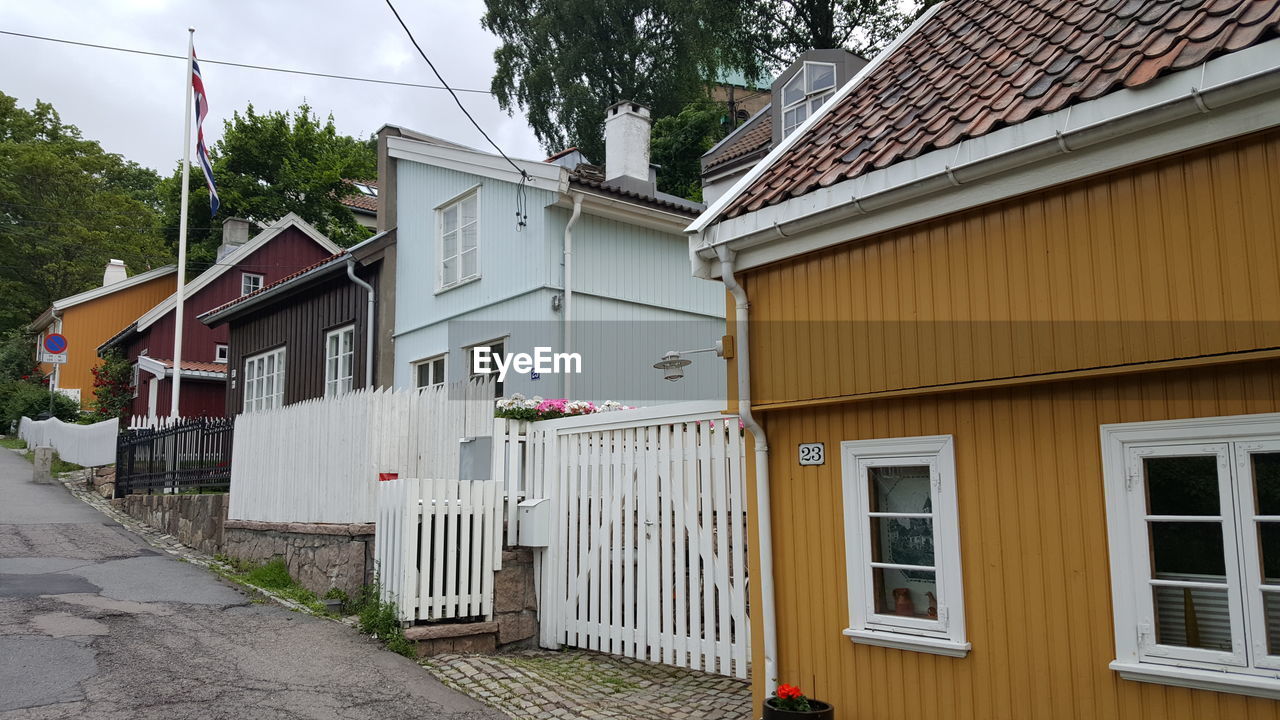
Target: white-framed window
<point>1193,525</point>
<point>459,232</point>
<point>264,381</point>
<point>429,372</point>
<point>902,544</point>
<point>136,379</point>
<point>220,353</point>
<point>805,92</point>
<point>250,282</point>
<point>497,349</point>
<point>339,360</point>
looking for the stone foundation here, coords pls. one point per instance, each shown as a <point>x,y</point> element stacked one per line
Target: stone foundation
<point>515,616</point>
<point>103,481</point>
<point>195,520</point>
<point>319,556</point>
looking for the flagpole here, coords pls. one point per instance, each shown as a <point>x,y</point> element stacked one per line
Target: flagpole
<point>182,230</point>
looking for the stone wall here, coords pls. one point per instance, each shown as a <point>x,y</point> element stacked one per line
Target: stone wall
<point>515,600</point>
<point>195,520</point>
<point>319,556</point>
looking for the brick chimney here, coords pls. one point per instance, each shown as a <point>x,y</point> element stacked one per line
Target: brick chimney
<point>626,147</point>
<point>235,232</point>
<point>114,273</point>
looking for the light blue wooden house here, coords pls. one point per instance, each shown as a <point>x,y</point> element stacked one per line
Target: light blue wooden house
<point>502,257</point>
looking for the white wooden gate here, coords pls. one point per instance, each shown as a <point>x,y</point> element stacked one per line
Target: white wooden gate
<point>649,556</point>
<point>438,544</point>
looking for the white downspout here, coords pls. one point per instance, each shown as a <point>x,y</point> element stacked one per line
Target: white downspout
<point>764,511</point>
<point>568,286</point>
<point>369,328</point>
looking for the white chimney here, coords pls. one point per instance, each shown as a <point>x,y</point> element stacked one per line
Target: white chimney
<point>626,143</point>
<point>114,273</point>
<point>235,232</point>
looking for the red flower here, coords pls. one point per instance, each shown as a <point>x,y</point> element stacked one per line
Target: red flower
<point>789,692</point>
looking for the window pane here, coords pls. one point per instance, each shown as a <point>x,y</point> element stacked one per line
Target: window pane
<point>450,273</point>
<point>821,77</point>
<point>910,593</point>
<point>468,211</point>
<point>902,541</point>
<point>1271,603</point>
<point>1269,546</point>
<point>1182,485</point>
<point>902,489</point>
<point>1266,482</point>
<point>1193,617</point>
<point>468,236</point>
<point>1188,551</point>
<point>794,89</point>
<point>424,374</point>
<point>817,102</point>
<point>437,371</point>
<point>450,245</point>
<point>450,220</point>
<point>469,264</point>
<point>347,338</point>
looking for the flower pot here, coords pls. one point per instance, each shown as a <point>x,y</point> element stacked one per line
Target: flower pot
<point>818,710</point>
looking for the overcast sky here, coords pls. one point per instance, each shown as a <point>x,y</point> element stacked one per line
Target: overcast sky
<point>133,104</point>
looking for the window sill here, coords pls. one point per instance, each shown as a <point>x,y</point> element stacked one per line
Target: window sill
<point>460,283</point>
<point>1239,683</point>
<point>903,641</point>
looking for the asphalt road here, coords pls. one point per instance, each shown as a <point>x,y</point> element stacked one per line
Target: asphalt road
<point>95,624</point>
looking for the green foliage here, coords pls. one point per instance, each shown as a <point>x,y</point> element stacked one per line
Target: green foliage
<point>268,165</point>
<point>381,619</point>
<point>18,399</point>
<point>779,30</point>
<point>273,577</point>
<point>12,443</point>
<point>565,61</point>
<point>112,387</point>
<point>17,355</point>
<point>66,208</point>
<point>679,142</point>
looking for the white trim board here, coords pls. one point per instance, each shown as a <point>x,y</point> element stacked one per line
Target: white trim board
<point>1230,96</point>
<point>227,264</point>
<point>545,176</point>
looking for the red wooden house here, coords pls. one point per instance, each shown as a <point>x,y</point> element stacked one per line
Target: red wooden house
<point>243,266</point>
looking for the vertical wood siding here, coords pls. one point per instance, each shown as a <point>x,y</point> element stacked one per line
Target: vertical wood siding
<point>90,324</point>
<point>1173,259</point>
<point>1033,538</point>
<point>299,323</point>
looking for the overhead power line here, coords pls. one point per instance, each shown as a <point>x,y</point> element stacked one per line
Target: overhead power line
<point>249,66</point>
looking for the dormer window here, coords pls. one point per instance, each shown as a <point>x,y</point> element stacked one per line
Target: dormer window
<point>805,92</point>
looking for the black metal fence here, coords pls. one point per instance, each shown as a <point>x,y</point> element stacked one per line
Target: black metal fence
<point>188,454</point>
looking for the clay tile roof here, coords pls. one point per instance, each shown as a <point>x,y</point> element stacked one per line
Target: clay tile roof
<point>979,65</point>
<point>194,366</point>
<point>267,288</point>
<point>755,136</point>
<point>561,154</point>
<point>360,201</point>
<point>588,179</point>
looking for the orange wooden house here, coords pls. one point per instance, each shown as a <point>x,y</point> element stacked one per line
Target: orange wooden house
<point>1007,313</point>
<point>91,317</point>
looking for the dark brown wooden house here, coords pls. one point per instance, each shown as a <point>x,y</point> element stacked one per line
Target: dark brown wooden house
<point>306,335</point>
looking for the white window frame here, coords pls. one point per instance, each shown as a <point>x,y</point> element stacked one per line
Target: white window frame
<point>946,634</point>
<point>809,100</point>
<point>221,353</point>
<point>136,380</point>
<point>456,201</point>
<point>337,380</point>
<point>1247,669</point>
<point>244,283</point>
<point>256,396</point>
<point>443,358</point>
<point>498,385</point>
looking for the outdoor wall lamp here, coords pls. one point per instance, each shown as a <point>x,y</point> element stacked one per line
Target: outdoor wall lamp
<point>672,364</point>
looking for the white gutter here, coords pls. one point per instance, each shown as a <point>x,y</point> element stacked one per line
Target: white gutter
<point>369,328</point>
<point>764,504</point>
<point>568,285</point>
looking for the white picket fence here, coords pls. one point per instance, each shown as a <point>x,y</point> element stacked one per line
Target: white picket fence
<point>88,445</point>
<point>319,460</point>
<point>649,554</point>
<point>438,544</point>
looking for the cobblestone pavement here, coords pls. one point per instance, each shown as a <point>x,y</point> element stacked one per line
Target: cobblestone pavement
<point>593,686</point>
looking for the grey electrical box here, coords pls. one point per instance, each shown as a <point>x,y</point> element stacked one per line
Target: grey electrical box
<point>474,457</point>
<point>535,522</point>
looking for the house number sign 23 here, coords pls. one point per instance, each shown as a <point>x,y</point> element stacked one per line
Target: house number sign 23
<point>813,454</point>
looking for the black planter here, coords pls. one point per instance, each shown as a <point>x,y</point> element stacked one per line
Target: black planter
<point>818,710</point>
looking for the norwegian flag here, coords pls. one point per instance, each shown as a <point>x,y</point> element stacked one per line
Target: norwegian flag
<point>202,153</point>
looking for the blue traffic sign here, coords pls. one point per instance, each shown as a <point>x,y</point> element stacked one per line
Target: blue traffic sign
<point>55,343</point>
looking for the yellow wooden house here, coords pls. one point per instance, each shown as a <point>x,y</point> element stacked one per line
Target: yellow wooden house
<point>90,318</point>
<point>1007,316</point>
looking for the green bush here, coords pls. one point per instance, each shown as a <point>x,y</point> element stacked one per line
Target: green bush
<point>18,399</point>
